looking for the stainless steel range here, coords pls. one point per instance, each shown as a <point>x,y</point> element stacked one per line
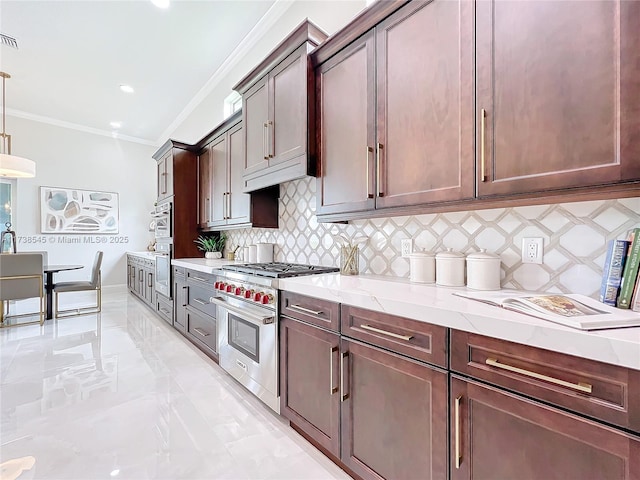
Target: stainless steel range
<point>247,300</point>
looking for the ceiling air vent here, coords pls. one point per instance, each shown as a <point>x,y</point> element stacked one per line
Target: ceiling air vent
<point>8,41</point>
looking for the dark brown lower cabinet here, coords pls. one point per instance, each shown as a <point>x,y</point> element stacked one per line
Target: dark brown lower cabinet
<point>309,392</point>
<point>394,415</point>
<point>500,435</point>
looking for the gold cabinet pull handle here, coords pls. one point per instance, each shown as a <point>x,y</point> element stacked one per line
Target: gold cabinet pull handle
<point>228,205</point>
<point>201,332</point>
<point>332,389</point>
<point>384,332</point>
<point>379,186</point>
<point>457,431</point>
<point>581,387</point>
<point>483,126</point>
<point>369,194</point>
<point>343,395</point>
<point>265,134</point>
<point>271,139</point>
<point>305,310</point>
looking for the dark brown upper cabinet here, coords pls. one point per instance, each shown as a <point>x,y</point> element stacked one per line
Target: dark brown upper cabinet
<point>223,204</point>
<point>558,98</point>
<point>277,106</point>
<point>177,183</point>
<point>431,106</point>
<point>395,112</point>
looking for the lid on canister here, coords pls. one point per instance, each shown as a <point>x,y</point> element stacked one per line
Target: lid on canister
<point>449,254</point>
<point>483,255</point>
<point>421,254</point>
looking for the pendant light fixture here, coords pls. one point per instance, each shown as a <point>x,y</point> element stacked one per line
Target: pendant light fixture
<point>10,165</point>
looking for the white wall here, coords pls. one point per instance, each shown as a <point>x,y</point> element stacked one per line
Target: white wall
<point>329,15</point>
<point>74,159</point>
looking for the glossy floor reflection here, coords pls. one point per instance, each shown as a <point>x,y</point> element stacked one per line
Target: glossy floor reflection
<point>121,395</point>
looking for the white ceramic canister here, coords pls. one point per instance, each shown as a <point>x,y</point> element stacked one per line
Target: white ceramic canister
<point>450,268</point>
<point>245,254</point>
<point>264,252</point>
<point>483,271</point>
<point>423,267</point>
<point>253,254</point>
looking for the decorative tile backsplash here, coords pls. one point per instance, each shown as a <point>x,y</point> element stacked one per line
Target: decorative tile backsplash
<point>575,238</point>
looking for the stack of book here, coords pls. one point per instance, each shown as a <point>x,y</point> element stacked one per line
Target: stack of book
<point>620,281</point>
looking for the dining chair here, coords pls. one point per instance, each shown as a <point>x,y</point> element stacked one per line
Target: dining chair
<point>21,277</point>
<point>94,283</point>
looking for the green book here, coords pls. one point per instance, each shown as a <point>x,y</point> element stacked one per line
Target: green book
<point>630,270</point>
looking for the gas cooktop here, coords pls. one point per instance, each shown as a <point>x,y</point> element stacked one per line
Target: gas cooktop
<point>279,270</point>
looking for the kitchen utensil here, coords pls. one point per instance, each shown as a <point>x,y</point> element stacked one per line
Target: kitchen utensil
<point>349,259</point>
<point>423,267</point>
<point>450,268</point>
<point>264,252</point>
<point>483,271</point>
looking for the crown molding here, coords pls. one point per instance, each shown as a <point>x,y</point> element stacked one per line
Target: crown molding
<point>276,11</point>
<point>81,128</point>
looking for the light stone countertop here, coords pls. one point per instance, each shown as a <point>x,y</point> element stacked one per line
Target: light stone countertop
<point>203,265</point>
<point>437,305</point>
<point>146,254</point>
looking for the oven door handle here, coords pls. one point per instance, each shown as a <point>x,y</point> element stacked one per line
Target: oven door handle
<point>251,317</point>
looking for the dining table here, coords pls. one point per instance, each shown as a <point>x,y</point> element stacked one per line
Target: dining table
<point>49,270</point>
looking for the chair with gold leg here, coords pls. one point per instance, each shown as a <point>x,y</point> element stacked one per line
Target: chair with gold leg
<point>94,283</point>
<point>21,277</point>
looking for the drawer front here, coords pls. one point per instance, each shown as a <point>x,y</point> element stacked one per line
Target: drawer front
<point>198,298</point>
<point>199,278</point>
<point>412,338</point>
<point>202,329</point>
<point>164,308</point>
<point>178,271</point>
<point>602,391</point>
<point>315,311</point>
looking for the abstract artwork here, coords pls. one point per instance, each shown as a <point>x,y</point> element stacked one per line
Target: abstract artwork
<point>70,210</point>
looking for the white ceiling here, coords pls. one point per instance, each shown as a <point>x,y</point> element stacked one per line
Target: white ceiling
<point>73,55</point>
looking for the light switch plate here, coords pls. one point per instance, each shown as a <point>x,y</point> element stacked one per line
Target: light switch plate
<point>532,250</point>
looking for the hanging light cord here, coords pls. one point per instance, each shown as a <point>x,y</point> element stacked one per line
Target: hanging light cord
<point>6,146</point>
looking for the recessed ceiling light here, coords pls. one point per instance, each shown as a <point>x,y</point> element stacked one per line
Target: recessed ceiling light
<point>116,124</point>
<point>161,3</point>
<point>126,88</point>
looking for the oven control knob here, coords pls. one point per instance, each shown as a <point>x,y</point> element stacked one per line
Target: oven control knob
<point>248,293</point>
<point>258,297</point>
<point>239,291</point>
<point>216,285</point>
<point>267,298</point>
<point>221,286</point>
<point>230,288</point>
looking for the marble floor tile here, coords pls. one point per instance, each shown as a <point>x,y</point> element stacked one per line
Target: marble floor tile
<point>121,395</point>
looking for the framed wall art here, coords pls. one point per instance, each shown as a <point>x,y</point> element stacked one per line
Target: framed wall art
<point>71,210</point>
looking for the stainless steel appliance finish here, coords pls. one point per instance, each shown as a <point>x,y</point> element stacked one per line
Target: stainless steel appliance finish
<point>162,217</point>
<point>163,268</point>
<point>247,300</point>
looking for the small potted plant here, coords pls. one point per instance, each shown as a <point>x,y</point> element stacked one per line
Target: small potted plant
<point>211,246</point>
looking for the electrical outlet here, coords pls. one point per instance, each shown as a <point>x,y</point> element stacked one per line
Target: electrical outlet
<point>532,250</point>
<point>407,247</point>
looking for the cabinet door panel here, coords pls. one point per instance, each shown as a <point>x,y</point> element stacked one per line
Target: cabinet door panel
<point>309,394</point>
<point>501,435</point>
<point>555,79</point>
<point>255,114</point>
<point>219,180</point>
<point>287,132</point>
<point>204,187</point>
<point>394,419</point>
<point>425,103</point>
<point>240,202</point>
<point>346,118</point>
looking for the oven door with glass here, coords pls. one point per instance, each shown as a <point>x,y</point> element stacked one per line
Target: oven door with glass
<point>163,269</point>
<point>162,219</point>
<point>248,349</point>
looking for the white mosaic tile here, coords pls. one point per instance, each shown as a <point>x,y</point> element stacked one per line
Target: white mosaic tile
<point>575,236</point>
